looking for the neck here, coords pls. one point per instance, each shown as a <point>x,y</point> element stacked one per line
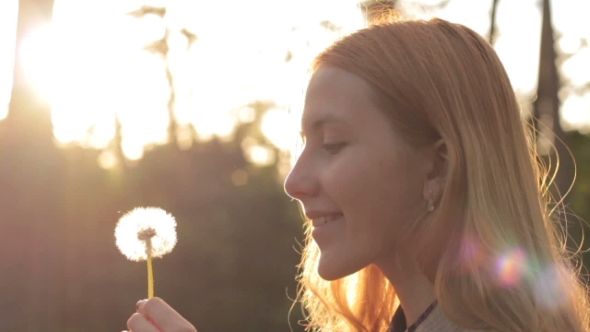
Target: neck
<point>414,290</point>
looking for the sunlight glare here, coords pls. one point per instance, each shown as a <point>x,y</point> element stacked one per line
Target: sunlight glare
<point>576,112</point>
<point>105,76</point>
<point>577,68</point>
<point>132,148</point>
<point>570,17</point>
<point>281,128</point>
<point>8,17</point>
<point>569,44</point>
<point>218,68</point>
<point>107,160</point>
<point>37,55</point>
<point>184,137</point>
<point>246,114</point>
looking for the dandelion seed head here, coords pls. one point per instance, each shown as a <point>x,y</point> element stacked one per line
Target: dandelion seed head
<point>146,234</point>
<point>142,228</point>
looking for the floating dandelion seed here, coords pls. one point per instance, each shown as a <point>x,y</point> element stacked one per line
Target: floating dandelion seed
<point>146,233</point>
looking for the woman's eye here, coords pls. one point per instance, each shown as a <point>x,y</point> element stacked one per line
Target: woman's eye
<point>333,148</point>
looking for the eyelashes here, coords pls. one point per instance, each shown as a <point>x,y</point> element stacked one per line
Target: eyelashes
<point>333,148</point>
<point>330,148</point>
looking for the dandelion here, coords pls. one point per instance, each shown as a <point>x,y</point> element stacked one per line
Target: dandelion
<point>146,233</point>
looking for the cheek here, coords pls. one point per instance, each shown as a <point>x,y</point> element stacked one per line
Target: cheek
<point>346,178</point>
<point>400,186</point>
<point>368,185</point>
<point>379,193</point>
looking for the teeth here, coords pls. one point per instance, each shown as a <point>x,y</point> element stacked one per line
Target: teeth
<point>320,221</point>
<point>326,219</point>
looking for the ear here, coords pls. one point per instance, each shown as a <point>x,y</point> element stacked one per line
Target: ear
<point>437,173</point>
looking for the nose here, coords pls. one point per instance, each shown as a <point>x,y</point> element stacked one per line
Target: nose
<point>301,181</point>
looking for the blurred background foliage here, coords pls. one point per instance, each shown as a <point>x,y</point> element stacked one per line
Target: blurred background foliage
<point>184,105</point>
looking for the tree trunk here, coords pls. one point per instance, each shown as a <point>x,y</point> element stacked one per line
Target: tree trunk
<point>29,211</point>
<point>546,119</point>
<point>492,36</point>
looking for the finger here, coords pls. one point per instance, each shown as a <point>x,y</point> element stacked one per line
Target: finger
<point>138,323</point>
<point>163,316</point>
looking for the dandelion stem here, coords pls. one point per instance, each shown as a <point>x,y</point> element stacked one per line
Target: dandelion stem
<point>150,268</point>
<point>150,272</point>
<point>146,236</point>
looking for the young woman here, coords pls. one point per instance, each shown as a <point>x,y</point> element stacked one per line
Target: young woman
<point>422,195</point>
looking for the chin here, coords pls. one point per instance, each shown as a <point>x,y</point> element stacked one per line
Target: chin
<point>331,270</point>
<point>329,275</point>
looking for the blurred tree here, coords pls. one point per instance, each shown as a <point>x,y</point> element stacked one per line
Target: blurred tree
<point>546,106</point>
<point>580,195</point>
<point>494,10</point>
<point>30,198</point>
<point>26,109</point>
<point>234,263</point>
<point>550,136</point>
<point>161,48</point>
<point>374,9</point>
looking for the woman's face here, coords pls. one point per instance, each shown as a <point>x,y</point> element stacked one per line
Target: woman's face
<point>357,179</point>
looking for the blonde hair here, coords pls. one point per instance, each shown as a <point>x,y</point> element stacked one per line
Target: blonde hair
<point>441,80</point>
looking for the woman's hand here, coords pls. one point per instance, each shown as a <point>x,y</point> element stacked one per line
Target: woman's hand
<point>155,315</point>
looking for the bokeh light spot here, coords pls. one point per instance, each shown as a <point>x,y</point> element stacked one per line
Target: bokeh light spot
<point>107,160</point>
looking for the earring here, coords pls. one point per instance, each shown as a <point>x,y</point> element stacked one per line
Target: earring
<point>430,202</point>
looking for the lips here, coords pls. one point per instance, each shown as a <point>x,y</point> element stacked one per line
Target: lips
<point>325,219</point>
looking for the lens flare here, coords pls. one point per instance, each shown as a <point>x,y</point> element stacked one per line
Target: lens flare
<point>511,267</point>
<point>471,255</point>
<point>548,287</point>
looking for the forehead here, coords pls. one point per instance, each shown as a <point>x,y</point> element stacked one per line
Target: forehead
<point>336,95</point>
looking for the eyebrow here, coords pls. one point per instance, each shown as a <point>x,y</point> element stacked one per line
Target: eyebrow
<point>319,123</point>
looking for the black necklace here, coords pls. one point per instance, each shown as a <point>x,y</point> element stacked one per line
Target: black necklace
<point>398,322</point>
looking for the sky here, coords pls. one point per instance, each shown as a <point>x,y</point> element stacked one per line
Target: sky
<point>239,57</point>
